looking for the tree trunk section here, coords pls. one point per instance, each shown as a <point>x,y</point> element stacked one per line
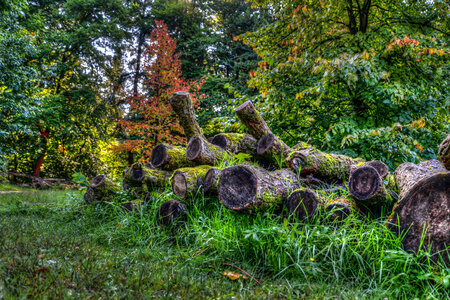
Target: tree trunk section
<point>248,188</point>
<point>171,212</point>
<point>183,107</point>
<point>101,189</point>
<point>201,152</point>
<point>367,187</point>
<point>187,181</point>
<point>236,142</point>
<point>340,208</point>
<point>273,149</point>
<point>143,177</point>
<point>167,157</point>
<point>423,208</point>
<point>306,159</point>
<point>252,119</point>
<point>303,203</point>
<point>211,184</point>
<point>444,152</point>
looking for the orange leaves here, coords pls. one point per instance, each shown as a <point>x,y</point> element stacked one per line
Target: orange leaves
<point>234,275</point>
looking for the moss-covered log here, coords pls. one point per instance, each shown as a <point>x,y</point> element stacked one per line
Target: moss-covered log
<point>171,212</point>
<point>186,181</point>
<point>211,183</point>
<point>141,176</point>
<point>340,208</point>
<point>424,207</point>
<point>201,152</point>
<point>248,188</point>
<point>168,157</point>
<point>236,142</point>
<point>273,149</point>
<point>303,203</point>
<point>444,152</point>
<point>101,189</point>
<point>182,105</point>
<point>252,119</point>
<point>367,186</point>
<point>328,167</point>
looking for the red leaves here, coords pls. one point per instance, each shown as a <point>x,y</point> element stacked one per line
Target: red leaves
<point>44,134</point>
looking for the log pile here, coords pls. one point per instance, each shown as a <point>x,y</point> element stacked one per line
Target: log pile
<point>302,179</point>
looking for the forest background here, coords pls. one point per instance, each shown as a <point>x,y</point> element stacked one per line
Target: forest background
<point>84,84</point>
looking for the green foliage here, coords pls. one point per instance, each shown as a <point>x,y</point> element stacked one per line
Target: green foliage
<point>345,74</point>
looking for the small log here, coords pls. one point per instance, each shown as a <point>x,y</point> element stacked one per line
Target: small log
<point>247,188</point>
<point>273,149</point>
<point>252,119</point>
<point>139,175</point>
<point>366,185</point>
<point>102,189</point>
<point>211,184</point>
<point>340,208</point>
<point>36,181</point>
<point>236,142</point>
<point>380,166</point>
<point>182,105</point>
<point>424,207</point>
<point>201,152</point>
<point>303,203</point>
<point>330,167</point>
<point>186,181</point>
<point>167,157</point>
<point>171,212</point>
<point>444,152</point>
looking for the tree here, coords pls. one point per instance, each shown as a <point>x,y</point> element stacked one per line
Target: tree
<point>150,119</point>
<point>361,77</point>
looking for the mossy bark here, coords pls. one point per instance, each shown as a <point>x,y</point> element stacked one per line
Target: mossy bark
<point>422,213</point>
<point>236,142</point>
<point>248,188</point>
<point>252,119</point>
<point>182,105</point>
<point>101,189</point>
<point>141,176</point>
<point>201,152</point>
<point>303,203</point>
<point>168,157</point>
<point>328,167</point>
<point>186,181</point>
<point>444,152</point>
<point>272,148</point>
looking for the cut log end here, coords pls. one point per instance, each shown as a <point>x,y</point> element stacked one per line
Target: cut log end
<point>98,180</point>
<point>194,148</point>
<point>302,204</point>
<point>237,187</point>
<point>380,166</point>
<point>179,185</point>
<point>339,211</point>
<point>364,182</point>
<point>137,172</point>
<point>220,140</point>
<point>265,143</point>
<point>159,156</point>
<point>89,196</point>
<point>170,212</point>
<point>426,205</point>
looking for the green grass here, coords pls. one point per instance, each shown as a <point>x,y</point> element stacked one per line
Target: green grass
<point>52,246</point>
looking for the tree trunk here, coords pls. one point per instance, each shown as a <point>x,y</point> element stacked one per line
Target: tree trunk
<point>171,212</point>
<point>169,157</point>
<point>273,149</point>
<point>367,187</point>
<point>444,152</point>
<point>201,152</point>
<point>248,188</point>
<point>211,184</point>
<point>302,203</point>
<point>187,181</point>
<point>182,105</point>
<point>236,142</point>
<point>141,176</point>
<point>252,119</point>
<point>329,167</point>
<point>101,189</point>
<point>423,211</point>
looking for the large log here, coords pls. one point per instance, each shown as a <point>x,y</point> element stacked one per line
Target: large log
<point>423,211</point>
<point>444,152</point>
<point>236,142</point>
<point>306,159</point>
<point>273,149</point>
<point>171,212</point>
<point>248,188</point>
<point>182,105</point>
<point>101,189</point>
<point>252,119</point>
<point>186,181</point>
<point>201,152</point>
<point>168,157</point>
<point>303,203</point>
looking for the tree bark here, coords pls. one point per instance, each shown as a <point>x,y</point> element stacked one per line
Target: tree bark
<point>201,152</point>
<point>248,188</point>
<point>329,167</point>
<point>423,208</point>
<point>183,107</point>
<point>252,119</point>
<point>167,157</point>
<point>380,166</point>
<point>236,142</point>
<point>444,152</point>
<point>101,189</point>
<point>303,203</point>
<point>171,212</point>
<point>211,184</point>
<point>187,181</point>
<point>273,149</point>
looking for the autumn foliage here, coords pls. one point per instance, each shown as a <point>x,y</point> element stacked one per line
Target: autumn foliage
<point>151,119</point>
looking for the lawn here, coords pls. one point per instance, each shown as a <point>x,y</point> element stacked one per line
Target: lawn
<point>52,245</point>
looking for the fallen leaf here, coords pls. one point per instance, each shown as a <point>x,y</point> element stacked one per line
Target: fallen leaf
<point>233,275</point>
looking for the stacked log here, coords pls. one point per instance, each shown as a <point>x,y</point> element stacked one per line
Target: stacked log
<point>200,151</point>
<point>186,181</point>
<point>101,189</point>
<point>236,142</point>
<point>444,152</point>
<point>169,158</point>
<point>303,203</point>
